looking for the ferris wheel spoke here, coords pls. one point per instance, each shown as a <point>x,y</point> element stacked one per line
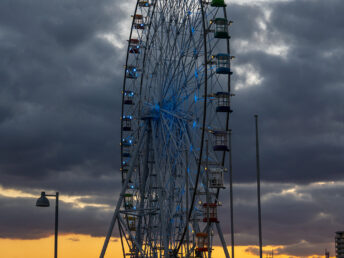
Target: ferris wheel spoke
<point>171,134</point>
<point>185,116</point>
<point>119,202</point>
<point>162,194</point>
<point>181,61</point>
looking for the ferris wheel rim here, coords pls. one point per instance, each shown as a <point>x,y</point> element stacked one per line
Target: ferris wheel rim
<point>205,94</point>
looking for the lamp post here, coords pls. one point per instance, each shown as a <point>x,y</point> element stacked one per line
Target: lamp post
<point>44,202</point>
<point>258,191</point>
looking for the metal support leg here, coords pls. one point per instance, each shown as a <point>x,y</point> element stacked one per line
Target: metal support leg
<point>162,212</point>
<point>187,201</point>
<point>132,237</point>
<point>223,242</point>
<point>143,186</point>
<point>119,202</point>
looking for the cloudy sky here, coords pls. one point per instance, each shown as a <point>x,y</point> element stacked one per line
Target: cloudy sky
<point>61,66</point>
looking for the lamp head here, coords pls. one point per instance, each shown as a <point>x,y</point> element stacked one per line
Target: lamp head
<point>42,201</point>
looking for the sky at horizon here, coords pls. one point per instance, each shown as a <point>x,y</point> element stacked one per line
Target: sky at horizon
<point>61,66</point>
<point>88,247</point>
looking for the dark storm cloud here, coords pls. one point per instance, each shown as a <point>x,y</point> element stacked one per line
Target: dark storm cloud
<point>318,23</point>
<point>59,85</point>
<point>300,99</point>
<point>301,218</point>
<point>244,20</point>
<point>21,219</point>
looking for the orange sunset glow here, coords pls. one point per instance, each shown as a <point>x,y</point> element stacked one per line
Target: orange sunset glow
<point>83,246</point>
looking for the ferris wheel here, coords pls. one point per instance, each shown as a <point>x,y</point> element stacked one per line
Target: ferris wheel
<point>175,135</point>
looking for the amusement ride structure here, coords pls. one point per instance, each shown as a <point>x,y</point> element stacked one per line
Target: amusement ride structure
<point>175,136</point>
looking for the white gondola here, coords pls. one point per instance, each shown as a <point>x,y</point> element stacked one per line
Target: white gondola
<point>215,177</point>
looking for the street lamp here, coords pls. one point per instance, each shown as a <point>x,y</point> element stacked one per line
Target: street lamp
<point>44,202</point>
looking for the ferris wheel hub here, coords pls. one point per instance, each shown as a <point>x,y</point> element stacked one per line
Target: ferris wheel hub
<point>151,112</point>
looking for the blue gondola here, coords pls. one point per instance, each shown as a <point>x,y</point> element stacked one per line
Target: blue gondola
<point>223,64</point>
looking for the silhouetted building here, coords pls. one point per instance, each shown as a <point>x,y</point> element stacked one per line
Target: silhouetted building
<point>339,244</point>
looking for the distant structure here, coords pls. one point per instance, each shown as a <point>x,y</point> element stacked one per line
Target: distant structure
<point>339,244</point>
<point>270,255</point>
<point>327,254</point>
